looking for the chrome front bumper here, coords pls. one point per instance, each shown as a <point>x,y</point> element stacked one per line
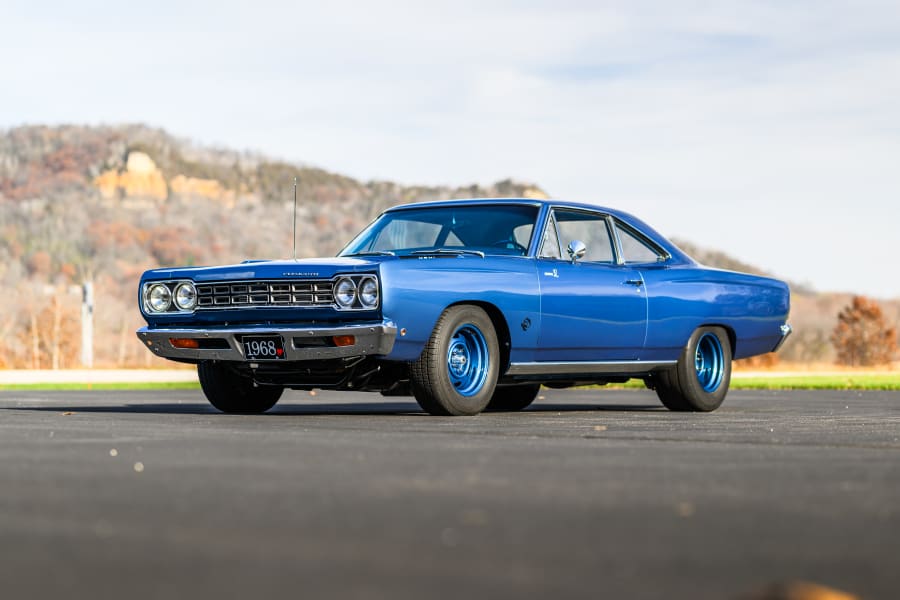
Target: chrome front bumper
<point>301,343</point>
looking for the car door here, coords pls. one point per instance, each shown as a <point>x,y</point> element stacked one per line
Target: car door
<point>666,314</point>
<point>593,308</point>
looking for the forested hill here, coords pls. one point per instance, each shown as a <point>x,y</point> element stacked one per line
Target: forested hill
<point>103,204</point>
<point>147,177</point>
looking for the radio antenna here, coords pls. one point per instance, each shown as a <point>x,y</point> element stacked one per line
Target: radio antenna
<point>295,217</point>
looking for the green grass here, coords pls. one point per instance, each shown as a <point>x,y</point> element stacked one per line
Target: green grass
<point>850,381</point>
<point>68,387</point>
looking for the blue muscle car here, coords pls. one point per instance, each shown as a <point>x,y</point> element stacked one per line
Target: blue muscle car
<point>468,305</point>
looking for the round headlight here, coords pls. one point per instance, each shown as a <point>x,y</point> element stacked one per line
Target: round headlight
<point>368,292</point>
<point>345,292</point>
<point>186,296</point>
<point>159,298</point>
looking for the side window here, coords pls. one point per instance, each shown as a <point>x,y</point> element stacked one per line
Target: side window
<point>550,243</point>
<point>634,250</point>
<point>589,228</point>
<point>522,234</point>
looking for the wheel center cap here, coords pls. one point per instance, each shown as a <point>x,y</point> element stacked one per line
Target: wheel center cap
<point>458,359</point>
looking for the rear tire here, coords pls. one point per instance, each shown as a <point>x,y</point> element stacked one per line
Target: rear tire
<point>233,393</point>
<point>702,375</point>
<point>457,371</point>
<point>512,398</point>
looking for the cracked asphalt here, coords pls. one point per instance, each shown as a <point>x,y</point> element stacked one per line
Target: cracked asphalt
<point>591,493</point>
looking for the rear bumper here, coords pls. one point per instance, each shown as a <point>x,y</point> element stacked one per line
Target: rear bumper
<point>300,343</point>
<point>785,333</point>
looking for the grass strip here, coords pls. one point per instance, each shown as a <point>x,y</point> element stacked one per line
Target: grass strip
<point>818,382</point>
<point>69,387</point>
<point>880,382</point>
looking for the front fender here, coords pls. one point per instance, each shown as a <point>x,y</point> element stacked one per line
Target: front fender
<point>415,291</point>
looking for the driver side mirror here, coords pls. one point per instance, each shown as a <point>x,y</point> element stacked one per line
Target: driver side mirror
<point>576,250</point>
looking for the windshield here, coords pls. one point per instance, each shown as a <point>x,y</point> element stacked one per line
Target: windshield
<point>491,229</point>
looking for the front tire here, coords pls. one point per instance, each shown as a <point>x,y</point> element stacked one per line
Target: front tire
<point>457,371</point>
<point>702,375</point>
<point>234,393</point>
<point>511,398</point>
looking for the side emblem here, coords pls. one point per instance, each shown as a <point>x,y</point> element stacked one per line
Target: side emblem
<point>526,324</point>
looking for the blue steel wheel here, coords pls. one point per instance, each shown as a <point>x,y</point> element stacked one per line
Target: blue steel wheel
<point>458,369</point>
<point>709,362</point>
<point>701,376</point>
<point>468,360</point>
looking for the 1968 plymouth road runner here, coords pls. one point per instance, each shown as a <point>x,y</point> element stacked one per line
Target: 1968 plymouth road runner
<point>468,305</point>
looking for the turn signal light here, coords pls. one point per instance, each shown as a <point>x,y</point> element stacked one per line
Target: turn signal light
<point>189,343</point>
<point>344,340</point>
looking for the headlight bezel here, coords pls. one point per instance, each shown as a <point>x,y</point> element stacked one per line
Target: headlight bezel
<point>159,291</point>
<point>169,290</point>
<point>193,296</point>
<point>369,280</point>
<point>358,280</point>
<point>352,291</point>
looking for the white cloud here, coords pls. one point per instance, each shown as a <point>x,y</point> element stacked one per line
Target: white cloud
<point>768,129</point>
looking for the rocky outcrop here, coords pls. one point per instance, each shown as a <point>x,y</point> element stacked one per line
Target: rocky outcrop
<point>195,187</point>
<point>140,178</point>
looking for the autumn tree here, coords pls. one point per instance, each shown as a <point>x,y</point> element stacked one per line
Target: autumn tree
<point>862,336</point>
<point>769,360</point>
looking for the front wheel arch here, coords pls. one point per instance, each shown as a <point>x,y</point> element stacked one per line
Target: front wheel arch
<point>501,328</point>
<point>457,372</point>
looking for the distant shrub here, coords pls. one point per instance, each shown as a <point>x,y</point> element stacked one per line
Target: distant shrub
<point>862,336</point>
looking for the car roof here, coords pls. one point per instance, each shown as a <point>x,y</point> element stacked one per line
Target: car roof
<point>552,202</point>
<point>537,202</point>
<point>518,201</point>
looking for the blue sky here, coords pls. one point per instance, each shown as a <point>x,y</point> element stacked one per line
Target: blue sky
<point>769,130</point>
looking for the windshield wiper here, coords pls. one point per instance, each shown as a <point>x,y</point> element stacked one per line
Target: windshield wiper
<point>449,251</point>
<point>373,253</point>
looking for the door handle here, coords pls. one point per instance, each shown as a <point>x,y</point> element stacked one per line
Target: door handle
<point>635,282</point>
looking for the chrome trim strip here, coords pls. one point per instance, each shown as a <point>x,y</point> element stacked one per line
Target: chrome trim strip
<point>617,243</point>
<point>786,331</point>
<point>371,339</point>
<point>588,368</point>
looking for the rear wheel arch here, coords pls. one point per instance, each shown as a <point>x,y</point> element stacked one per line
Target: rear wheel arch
<point>729,332</point>
<point>700,379</point>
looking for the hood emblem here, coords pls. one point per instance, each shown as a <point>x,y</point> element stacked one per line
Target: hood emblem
<point>299,274</point>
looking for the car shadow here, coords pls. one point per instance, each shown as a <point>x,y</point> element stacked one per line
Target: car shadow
<point>316,409</point>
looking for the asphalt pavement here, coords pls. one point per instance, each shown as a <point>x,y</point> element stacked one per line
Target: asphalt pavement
<point>589,494</point>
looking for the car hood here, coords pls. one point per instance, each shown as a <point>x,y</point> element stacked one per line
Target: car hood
<point>312,268</point>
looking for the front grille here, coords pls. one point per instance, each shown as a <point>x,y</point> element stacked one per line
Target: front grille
<point>313,293</point>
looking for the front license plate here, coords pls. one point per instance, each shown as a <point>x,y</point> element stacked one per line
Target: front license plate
<point>263,347</point>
